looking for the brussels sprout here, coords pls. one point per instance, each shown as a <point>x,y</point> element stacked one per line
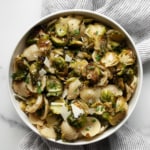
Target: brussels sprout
<point>114,89</point>
<point>117,118</point>
<point>31,41</point>
<point>107,96</point>
<point>20,64</point>
<point>110,59</point>
<point>92,73</point>
<point>127,57</point>
<point>78,66</point>
<point>75,43</point>
<point>56,106</point>
<point>19,75</point>
<point>34,67</point>
<point>109,93</point>
<point>77,122</point>
<point>88,20</point>
<point>74,24</point>
<point>111,45</point>
<point>121,104</point>
<point>54,86</point>
<point>58,42</point>
<point>43,43</point>
<point>83,55</point>
<point>115,35</point>
<point>59,62</point>
<point>61,27</point>
<point>95,32</point>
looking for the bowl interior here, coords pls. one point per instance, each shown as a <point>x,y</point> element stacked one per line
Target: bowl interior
<point>103,19</point>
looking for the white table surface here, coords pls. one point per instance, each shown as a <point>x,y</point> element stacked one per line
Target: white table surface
<point>15,17</point>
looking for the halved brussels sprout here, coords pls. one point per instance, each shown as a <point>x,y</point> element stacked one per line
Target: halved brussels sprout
<point>58,41</point>
<point>110,59</point>
<point>95,32</point>
<point>78,66</point>
<point>127,57</point>
<point>74,24</point>
<point>21,64</point>
<point>61,27</point>
<point>59,63</point>
<point>121,105</point>
<point>77,122</point>
<point>117,118</point>
<point>111,45</point>
<point>114,89</point>
<point>34,67</point>
<point>43,41</point>
<point>107,96</point>
<point>83,55</point>
<point>92,73</point>
<point>115,35</point>
<point>19,75</point>
<point>54,86</point>
<point>75,43</point>
<point>56,106</point>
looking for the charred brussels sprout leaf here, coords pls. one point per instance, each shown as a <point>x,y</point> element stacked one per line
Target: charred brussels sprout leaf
<point>107,96</point>
<point>77,122</point>
<point>19,75</point>
<point>54,86</point>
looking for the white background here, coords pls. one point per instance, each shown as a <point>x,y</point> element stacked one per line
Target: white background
<point>16,16</point>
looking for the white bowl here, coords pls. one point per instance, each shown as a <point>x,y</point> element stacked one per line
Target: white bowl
<point>99,17</point>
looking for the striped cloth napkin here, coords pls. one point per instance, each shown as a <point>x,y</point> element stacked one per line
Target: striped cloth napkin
<point>135,18</point>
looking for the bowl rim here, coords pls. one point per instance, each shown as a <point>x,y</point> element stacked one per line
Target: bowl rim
<point>87,12</point>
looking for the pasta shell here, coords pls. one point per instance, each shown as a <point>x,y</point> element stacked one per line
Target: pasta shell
<point>91,128</point>
<point>35,120</point>
<point>33,108</point>
<point>90,95</point>
<point>32,52</point>
<point>21,89</point>
<point>46,109</point>
<point>68,132</point>
<point>48,132</point>
<point>73,90</point>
